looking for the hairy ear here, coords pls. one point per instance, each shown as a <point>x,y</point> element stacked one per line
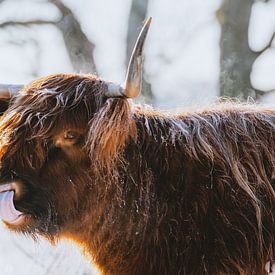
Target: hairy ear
<point>109,131</point>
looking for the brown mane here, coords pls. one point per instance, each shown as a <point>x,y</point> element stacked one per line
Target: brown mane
<point>228,154</point>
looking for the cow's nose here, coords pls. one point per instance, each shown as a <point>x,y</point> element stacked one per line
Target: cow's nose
<point>16,186</point>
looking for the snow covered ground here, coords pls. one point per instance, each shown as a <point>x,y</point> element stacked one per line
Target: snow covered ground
<point>24,256</point>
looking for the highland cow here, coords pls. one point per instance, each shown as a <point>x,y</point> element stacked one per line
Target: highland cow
<point>142,191</point>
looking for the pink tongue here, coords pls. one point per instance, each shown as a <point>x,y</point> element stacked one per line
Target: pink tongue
<point>8,213</point>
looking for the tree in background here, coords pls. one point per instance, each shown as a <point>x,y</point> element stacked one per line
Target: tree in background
<point>79,48</point>
<point>237,58</point>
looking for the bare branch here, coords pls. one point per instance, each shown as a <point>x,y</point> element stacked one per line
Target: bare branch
<point>26,23</point>
<point>63,9</point>
<point>259,93</point>
<point>80,49</point>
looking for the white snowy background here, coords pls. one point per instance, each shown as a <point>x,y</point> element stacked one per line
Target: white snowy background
<point>182,63</point>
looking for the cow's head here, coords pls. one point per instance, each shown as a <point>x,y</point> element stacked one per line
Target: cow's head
<point>48,138</point>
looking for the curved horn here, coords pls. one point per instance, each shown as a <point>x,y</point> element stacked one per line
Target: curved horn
<point>7,91</point>
<point>133,82</point>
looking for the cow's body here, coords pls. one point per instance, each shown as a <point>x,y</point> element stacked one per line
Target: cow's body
<point>142,191</point>
<point>194,195</point>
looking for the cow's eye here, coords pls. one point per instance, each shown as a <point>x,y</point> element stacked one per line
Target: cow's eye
<point>71,135</point>
<point>68,138</point>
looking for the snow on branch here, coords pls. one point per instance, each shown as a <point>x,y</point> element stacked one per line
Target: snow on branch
<point>269,45</point>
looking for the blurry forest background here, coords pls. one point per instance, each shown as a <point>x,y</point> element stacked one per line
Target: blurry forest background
<point>196,51</point>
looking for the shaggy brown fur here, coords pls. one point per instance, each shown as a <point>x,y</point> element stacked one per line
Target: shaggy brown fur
<point>142,191</point>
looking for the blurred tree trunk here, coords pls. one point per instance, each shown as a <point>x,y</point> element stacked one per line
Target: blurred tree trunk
<point>137,15</point>
<point>236,58</point>
<point>79,48</point>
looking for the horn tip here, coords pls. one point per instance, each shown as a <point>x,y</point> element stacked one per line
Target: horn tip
<point>148,21</point>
